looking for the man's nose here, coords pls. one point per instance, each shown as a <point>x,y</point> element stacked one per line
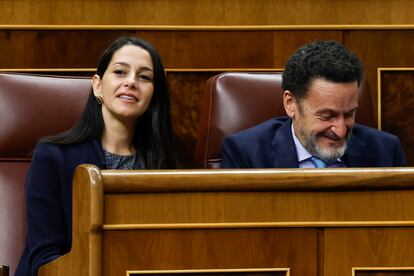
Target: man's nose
<point>340,128</point>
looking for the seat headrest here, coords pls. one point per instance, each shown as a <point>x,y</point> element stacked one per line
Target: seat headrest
<point>233,102</point>
<point>33,106</point>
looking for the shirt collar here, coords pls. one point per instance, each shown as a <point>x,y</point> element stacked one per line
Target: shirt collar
<point>301,152</point>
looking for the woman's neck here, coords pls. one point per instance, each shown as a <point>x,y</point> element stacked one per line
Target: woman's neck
<point>118,138</point>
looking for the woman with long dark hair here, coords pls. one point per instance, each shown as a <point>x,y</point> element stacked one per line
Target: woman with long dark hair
<point>126,124</point>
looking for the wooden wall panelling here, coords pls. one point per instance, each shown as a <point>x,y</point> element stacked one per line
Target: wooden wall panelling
<point>210,248</point>
<point>215,49</point>
<point>205,12</point>
<point>285,42</point>
<point>82,48</point>
<point>397,106</point>
<point>186,89</point>
<point>371,247</point>
<point>183,49</point>
<point>200,49</point>
<point>178,49</point>
<point>233,208</point>
<point>382,48</point>
<point>54,48</point>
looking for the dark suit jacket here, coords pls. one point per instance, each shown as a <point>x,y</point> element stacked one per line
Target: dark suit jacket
<point>49,200</point>
<point>270,145</point>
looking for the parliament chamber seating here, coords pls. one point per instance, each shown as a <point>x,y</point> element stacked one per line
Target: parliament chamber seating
<point>191,222</point>
<point>31,106</point>
<point>202,219</point>
<point>234,101</point>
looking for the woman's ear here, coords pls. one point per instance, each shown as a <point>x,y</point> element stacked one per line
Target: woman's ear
<point>289,103</point>
<point>96,86</point>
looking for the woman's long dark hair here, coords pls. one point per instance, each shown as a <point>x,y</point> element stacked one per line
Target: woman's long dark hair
<point>153,136</point>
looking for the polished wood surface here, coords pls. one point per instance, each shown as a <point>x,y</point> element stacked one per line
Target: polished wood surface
<point>379,49</point>
<point>259,180</point>
<point>188,49</point>
<point>206,12</point>
<point>368,247</point>
<point>213,248</point>
<point>351,207</point>
<point>312,222</point>
<point>397,100</point>
<point>186,89</point>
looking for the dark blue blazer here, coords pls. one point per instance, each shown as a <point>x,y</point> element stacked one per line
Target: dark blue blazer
<point>270,145</point>
<point>49,200</point>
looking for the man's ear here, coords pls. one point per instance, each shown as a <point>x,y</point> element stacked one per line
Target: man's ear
<point>96,86</point>
<point>289,102</point>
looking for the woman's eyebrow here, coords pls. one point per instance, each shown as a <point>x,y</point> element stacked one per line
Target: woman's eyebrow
<point>142,68</point>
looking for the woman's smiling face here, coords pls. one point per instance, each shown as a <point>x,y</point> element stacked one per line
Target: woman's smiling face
<point>127,86</point>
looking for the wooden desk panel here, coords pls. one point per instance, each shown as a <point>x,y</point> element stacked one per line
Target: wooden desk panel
<point>305,222</point>
<point>178,249</point>
<point>347,248</point>
<point>239,207</point>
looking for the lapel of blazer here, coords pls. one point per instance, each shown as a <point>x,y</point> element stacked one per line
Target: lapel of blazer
<point>356,154</point>
<point>96,154</point>
<point>284,150</point>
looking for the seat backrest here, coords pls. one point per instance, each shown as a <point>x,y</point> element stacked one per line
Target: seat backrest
<point>234,101</point>
<point>31,106</point>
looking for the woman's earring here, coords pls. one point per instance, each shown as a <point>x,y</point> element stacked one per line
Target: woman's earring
<point>99,99</point>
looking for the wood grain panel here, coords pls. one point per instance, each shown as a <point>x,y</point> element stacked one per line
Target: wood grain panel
<point>367,247</point>
<point>206,12</point>
<point>296,247</point>
<point>397,107</point>
<point>258,207</point>
<point>179,49</point>
<point>186,89</point>
<point>54,49</point>
<point>381,49</point>
<point>200,49</point>
<point>214,49</point>
<point>286,42</point>
<point>284,180</point>
<point>203,249</point>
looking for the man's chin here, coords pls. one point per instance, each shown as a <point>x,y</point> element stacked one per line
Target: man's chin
<point>332,152</point>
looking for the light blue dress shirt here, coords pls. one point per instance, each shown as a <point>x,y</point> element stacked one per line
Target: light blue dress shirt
<point>304,156</point>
